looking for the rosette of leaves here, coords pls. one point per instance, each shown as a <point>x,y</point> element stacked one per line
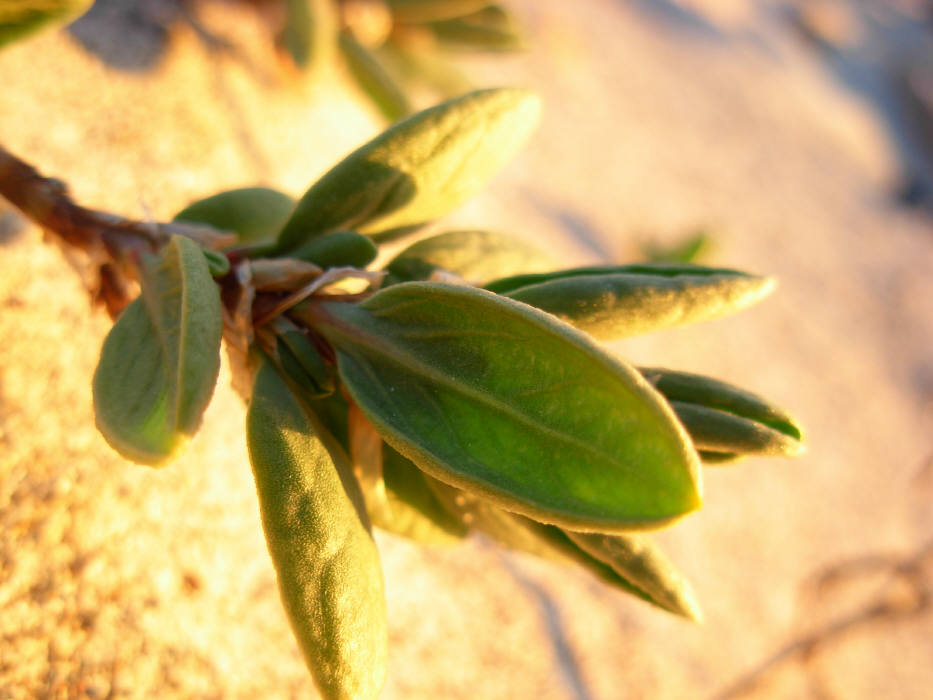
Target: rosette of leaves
<point>461,388</point>
<point>392,47</point>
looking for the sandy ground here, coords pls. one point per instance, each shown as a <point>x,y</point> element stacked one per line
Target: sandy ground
<point>118,581</point>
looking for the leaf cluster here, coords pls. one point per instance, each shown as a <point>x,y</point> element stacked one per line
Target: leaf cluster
<point>459,388</point>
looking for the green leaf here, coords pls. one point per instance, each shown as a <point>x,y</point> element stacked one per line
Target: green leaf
<point>616,302</point>
<point>419,169</point>
<point>255,214</point>
<point>490,29</point>
<point>686,250</point>
<point>159,363</point>
<point>20,18</point>
<point>374,78</point>
<point>548,542</point>
<point>299,360</point>
<point>499,399</point>
<point>719,431</point>
<point>419,11</point>
<point>310,31</point>
<point>338,249</point>
<point>725,421</point>
<point>414,511</point>
<point>326,563</point>
<point>475,256</point>
<point>638,561</point>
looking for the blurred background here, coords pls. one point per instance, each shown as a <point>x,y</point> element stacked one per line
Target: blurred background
<point>785,137</point>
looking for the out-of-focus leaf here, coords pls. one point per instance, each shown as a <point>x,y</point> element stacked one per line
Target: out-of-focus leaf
<point>374,79</point>
<point>475,256</point>
<point>425,65</point>
<point>326,562</point>
<point>418,170</point>
<point>500,399</point>
<point>688,250</point>
<point>490,29</point>
<point>310,32</point>
<point>616,302</point>
<point>419,11</point>
<point>20,18</point>
<point>159,363</point>
<point>719,431</point>
<point>254,214</point>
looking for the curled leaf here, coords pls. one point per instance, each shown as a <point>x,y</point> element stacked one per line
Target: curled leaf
<point>500,399</point>
<point>326,562</point>
<point>418,170</point>
<point>725,421</point>
<point>159,363</point>
<point>476,256</point>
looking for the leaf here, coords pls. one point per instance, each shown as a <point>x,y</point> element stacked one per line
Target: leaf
<point>255,214</point>
<point>419,11</point>
<point>374,79</point>
<point>414,511</point>
<point>722,418</point>
<point>687,250</point>
<point>326,563</point>
<point>548,542</point>
<point>490,29</point>
<point>616,302</point>
<point>501,400</point>
<point>338,249</point>
<point>419,169</point>
<point>159,363</point>
<point>718,431</point>
<point>20,18</point>
<point>476,256</point>
<point>642,564</point>
<point>310,31</point>
<point>300,361</point>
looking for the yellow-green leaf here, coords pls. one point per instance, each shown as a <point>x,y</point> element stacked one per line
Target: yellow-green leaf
<point>159,363</point>
<point>374,79</point>
<point>616,302</point>
<point>326,562</point>
<point>419,169</point>
<point>475,256</point>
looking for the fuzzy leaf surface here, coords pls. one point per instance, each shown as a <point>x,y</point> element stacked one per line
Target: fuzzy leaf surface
<point>159,363</point>
<point>476,256</point>
<point>417,170</point>
<point>502,400</point>
<point>326,562</point>
<point>254,214</point>
<point>616,302</point>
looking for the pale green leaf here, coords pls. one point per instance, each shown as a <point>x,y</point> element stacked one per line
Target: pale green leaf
<point>645,566</point>
<point>616,302</point>
<point>419,169</point>
<point>475,256</point>
<point>159,363</point>
<point>502,400</point>
<point>374,79</point>
<point>326,562</point>
<point>418,11</point>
